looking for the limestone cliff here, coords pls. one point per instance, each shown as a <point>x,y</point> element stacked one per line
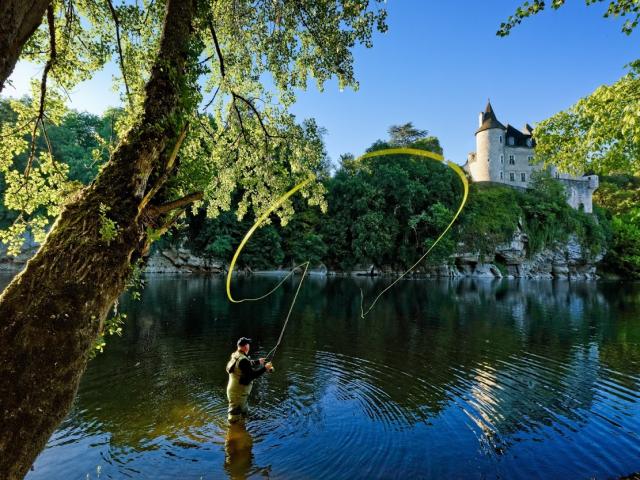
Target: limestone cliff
<point>563,261</point>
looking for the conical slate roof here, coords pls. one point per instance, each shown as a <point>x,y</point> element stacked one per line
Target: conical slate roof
<point>489,120</point>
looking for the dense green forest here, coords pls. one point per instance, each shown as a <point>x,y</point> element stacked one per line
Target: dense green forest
<point>620,195</point>
<point>383,211</point>
<point>387,211</point>
<point>81,141</point>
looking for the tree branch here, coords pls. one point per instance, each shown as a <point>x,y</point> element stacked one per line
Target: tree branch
<point>217,45</point>
<point>168,167</point>
<point>234,94</point>
<point>255,111</point>
<point>116,20</point>
<point>179,203</point>
<point>164,228</point>
<point>43,86</point>
<point>244,132</point>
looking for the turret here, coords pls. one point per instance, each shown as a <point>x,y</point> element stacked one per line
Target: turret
<point>489,147</point>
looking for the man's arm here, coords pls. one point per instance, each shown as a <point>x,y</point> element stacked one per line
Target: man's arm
<point>248,372</point>
<point>255,363</point>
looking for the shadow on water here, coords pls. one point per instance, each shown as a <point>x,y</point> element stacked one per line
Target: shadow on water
<point>444,379</point>
<point>237,448</point>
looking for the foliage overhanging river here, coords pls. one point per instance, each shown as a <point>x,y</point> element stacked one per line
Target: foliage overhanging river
<point>444,379</point>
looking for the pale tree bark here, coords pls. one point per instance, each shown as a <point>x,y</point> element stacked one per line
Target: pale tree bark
<point>18,20</point>
<point>51,313</point>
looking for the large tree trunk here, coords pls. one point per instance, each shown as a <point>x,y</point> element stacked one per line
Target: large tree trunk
<point>18,20</point>
<point>51,313</point>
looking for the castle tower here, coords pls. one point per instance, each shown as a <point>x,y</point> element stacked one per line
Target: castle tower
<point>506,155</point>
<point>489,156</point>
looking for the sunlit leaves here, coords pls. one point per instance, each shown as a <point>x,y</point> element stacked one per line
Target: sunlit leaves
<point>247,62</point>
<point>599,133</point>
<point>616,8</point>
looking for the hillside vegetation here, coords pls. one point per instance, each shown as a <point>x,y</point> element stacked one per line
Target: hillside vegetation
<point>385,211</point>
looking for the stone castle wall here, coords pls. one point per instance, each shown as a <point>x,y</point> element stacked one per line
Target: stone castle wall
<point>491,163</point>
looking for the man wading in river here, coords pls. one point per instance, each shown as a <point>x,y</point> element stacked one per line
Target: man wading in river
<point>242,372</point>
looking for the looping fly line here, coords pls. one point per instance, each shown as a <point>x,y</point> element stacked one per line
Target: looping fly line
<point>465,184</point>
<point>244,241</point>
<point>283,198</point>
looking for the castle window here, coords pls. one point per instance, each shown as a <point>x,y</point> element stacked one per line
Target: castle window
<point>501,176</point>
<point>530,158</point>
<point>523,177</point>
<point>557,174</point>
<point>500,138</point>
<point>501,158</point>
<point>529,142</point>
<point>512,160</point>
<point>512,141</point>
<point>512,177</point>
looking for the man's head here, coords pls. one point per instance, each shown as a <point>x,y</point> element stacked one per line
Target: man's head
<point>244,344</point>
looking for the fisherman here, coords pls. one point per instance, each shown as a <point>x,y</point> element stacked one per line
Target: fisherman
<point>242,372</point>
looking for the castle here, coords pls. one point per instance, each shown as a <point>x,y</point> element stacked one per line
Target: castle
<point>504,154</point>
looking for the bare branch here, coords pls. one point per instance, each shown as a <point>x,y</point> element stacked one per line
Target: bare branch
<point>217,45</point>
<point>179,203</point>
<point>116,20</point>
<point>43,86</point>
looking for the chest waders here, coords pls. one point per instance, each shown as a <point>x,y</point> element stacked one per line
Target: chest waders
<point>237,394</point>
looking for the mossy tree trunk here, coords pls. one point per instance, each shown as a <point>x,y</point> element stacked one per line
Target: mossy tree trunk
<point>51,313</point>
<point>18,20</point>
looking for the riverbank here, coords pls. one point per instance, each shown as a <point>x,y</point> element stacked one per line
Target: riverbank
<point>566,260</point>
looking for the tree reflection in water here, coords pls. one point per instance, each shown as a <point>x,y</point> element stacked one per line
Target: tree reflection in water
<point>455,378</point>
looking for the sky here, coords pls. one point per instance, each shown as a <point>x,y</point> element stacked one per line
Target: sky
<point>438,64</point>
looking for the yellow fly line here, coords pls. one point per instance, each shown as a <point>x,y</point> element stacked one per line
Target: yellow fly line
<point>433,156</point>
<point>246,238</point>
<point>244,241</point>
<point>284,197</point>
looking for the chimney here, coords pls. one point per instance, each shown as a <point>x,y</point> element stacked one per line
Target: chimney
<point>480,119</point>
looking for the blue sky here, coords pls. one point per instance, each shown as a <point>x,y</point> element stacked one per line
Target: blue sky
<point>438,64</point>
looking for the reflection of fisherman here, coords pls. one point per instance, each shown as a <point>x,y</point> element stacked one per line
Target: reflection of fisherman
<point>238,458</point>
<point>242,371</point>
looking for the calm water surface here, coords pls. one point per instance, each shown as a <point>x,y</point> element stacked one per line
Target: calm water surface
<point>444,379</point>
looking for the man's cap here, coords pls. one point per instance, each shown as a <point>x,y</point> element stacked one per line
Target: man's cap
<point>242,341</point>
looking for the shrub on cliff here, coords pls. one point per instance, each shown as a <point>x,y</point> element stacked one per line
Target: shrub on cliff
<point>620,195</point>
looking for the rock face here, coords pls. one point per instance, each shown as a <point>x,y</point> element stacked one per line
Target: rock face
<point>563,261</point>
<point>15,264</point>
<point>567,261</point>
<point>181,260</point>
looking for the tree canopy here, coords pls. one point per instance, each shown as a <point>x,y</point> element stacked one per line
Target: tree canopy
<point>403,135</point>
<point>616,8</point>
<point>246,66</point>
<point>600,133</point>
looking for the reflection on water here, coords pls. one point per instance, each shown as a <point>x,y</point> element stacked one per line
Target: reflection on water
<point>237,449</point>
<point>444,379</point>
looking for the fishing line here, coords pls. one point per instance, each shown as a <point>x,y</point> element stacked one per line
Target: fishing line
<point>244,241</point>
<point>465,184</point>
<point>283,198</point>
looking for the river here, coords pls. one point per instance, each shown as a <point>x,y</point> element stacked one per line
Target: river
<point>443,379</point>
